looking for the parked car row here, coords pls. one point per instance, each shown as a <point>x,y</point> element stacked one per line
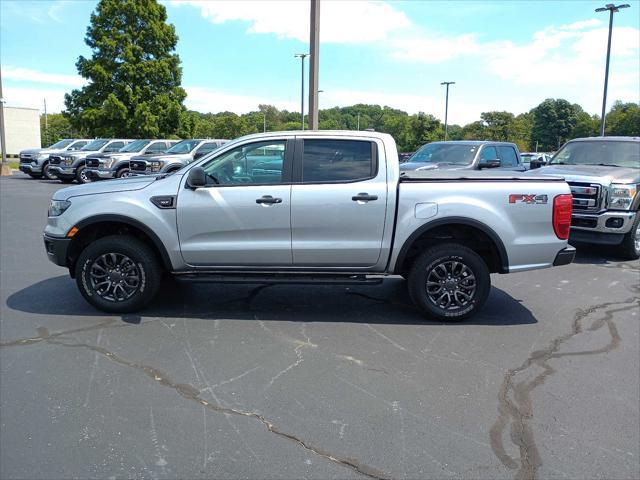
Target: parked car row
<point>85,160</point>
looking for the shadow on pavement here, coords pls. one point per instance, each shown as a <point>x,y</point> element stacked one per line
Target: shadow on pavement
<point>600,255</point>
<point>387,303</point>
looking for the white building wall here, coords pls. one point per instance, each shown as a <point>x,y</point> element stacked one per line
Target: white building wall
<point>22,129</point>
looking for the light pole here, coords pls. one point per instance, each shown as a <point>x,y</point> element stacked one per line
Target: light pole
<point>611,8</point>
<point>302,56</point>
<point>264,122</point>
<point>4,167</point>
<point>446,107</point>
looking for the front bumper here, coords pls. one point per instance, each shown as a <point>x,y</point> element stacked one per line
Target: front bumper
<point>97,174</point>
<point>565,256</point>
<point>63,172</point>
<point>56,249</point>
<point>28,168</point>
<point>581,222</point>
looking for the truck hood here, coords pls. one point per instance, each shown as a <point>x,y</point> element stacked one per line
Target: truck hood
<point>591,173</point>
<point>163,157</point>
<point>109,186</point>
<point>32,151</point>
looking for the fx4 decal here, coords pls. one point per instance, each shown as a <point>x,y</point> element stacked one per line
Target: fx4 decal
<point>528,198</point>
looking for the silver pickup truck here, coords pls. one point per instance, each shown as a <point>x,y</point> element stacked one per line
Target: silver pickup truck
<point>35,162</point>
<point>309,207</point>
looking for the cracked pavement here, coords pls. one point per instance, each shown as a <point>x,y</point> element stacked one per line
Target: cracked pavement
<point>233,381</point>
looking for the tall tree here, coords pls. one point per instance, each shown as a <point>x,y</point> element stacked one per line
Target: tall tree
<point>499,125</point>
<point>134,76</point>
<point>553,122</point>
<point>623,119</point>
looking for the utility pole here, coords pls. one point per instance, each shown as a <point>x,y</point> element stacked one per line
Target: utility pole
<point>264,122</point>
<point>314,42</point>
<point>446,108</point>
<point>5,170</point>
<point>612,9</point>
<point>302,56</point>
<point>358,121</point>
<point>46,125</point>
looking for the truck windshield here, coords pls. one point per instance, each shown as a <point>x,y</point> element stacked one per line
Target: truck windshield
<point>600,152</point>
<point>93,146</point>
<point>185,146</point>
<point>135,146</point>
<point>61,144</point>
<point>447,153</point>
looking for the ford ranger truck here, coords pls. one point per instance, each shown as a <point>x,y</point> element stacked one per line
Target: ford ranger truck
<point>72,166</point>
<point>604,176</point>
<point>181,154</point>
<point>102,166</point>
<point>35,162</point>
<point>326,207</point>
<point>465,155</point>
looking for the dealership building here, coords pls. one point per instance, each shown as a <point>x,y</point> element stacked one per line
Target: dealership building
<point>22,129</point>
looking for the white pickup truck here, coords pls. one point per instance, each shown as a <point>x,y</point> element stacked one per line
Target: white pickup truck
<point>309,207</point>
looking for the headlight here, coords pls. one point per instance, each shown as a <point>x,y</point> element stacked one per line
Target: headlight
<point>108,162</point>
<point>155,165</point>
<point>68,160</point>
<point>43,156</point>
<point>58,207</point>
<point>621,196</point>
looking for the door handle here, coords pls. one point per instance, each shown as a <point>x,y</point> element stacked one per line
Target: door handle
<point>268,200</point>
<point>364,197</point>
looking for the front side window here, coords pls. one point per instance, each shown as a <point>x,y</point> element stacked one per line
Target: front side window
<point>328,160</point>
<point>256,163</point>
<point>77,145</point>
<point>508,157</point>
<point>489,153</point>
<point>206,148</point>
<point>61,144</point>
<point>114,147</point>
<point>135,146</point>
<point>94,146</point>
<point>157,147</point>
<point>185,146</point>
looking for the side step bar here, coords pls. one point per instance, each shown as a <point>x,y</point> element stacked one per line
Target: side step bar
<point>279,278</point>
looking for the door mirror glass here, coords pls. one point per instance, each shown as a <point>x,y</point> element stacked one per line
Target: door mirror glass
<point>493,163</point>
<point>196,178</point>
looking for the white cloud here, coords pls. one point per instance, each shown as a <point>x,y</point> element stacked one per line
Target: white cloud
<point>205,100</point>
<point>421,47</point>
<point>34,98</point>
<point>344,21</point>
<point>28,75</point>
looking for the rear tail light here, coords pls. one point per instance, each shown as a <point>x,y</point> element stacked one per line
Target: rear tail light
<point>562,205</point>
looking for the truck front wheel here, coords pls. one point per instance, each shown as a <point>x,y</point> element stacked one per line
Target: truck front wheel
<point>47,173</point>
<point>118,274</point>
<point>630,246</point>
<point>449,282</point>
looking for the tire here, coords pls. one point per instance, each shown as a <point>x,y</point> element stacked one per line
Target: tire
<point>630,246</point>
<point>81,174</point>
<point>126,292</point>
<point>123,172</point>
<point>47,174</point>
<point>465,282</point>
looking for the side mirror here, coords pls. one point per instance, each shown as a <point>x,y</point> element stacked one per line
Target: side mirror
<point>489,164</point>
<point>537,163</point>
<point>196,178</point>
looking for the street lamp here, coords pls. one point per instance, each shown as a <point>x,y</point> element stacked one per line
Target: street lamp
<point>612,9</point>
<point>302,56</point>
<point>446,107</point>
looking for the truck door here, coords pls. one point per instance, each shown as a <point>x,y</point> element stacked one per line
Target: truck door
<point>242,218</point>
<point>338,202</point>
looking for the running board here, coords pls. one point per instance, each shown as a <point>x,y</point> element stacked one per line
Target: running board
<point>280,279</point>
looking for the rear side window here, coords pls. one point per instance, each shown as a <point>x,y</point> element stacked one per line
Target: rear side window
<point>488,153</point>
<point>326,160</point>
<point>114,147</point>
<point>508,156</point>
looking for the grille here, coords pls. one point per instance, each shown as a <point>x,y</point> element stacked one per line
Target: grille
<point>55,159</point>
<point>93,162</point>
<point>139,165</point>
<point>584,222</point>
<point>586,196</point>
<point>25,158</point>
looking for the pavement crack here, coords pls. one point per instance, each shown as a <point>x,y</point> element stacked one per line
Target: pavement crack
<point>515,409</point>
<point>191,393</point>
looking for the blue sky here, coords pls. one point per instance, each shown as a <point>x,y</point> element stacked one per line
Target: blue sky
<point>236,54</point>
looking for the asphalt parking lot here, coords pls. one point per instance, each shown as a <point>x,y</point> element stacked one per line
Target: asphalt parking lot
<point>294,382</point>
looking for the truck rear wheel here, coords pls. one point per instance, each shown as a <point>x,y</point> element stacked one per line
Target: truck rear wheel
<point>81,174</point>
<point>123,172</point>
<point>630,246</point>
<point>118,274</point>
<point>449,282</point>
